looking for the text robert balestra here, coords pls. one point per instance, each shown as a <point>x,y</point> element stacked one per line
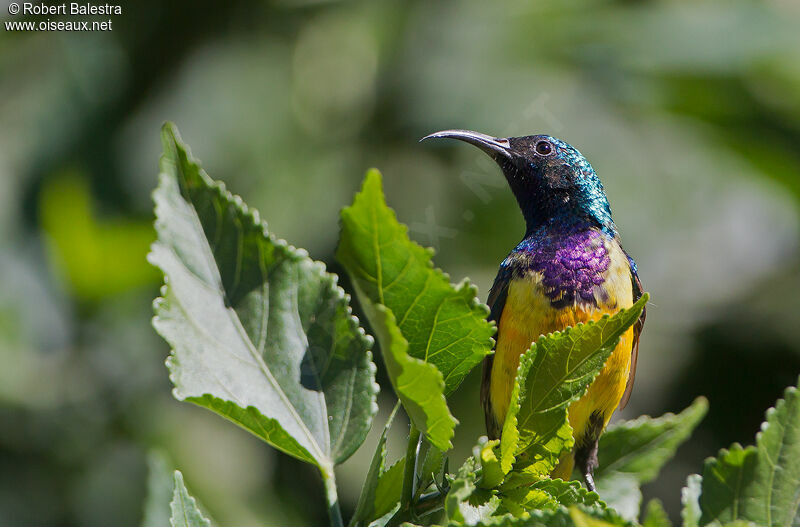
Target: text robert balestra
<point>73,8</point>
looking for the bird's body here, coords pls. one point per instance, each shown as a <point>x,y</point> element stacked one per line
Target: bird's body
<point>569,268</point>
<point>554,281</point>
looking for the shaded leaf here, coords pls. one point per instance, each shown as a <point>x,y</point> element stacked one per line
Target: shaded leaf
<point>444,324</point>
<point>386,518</point>
<point>390,488</point>
<point>366,506</point>
<point>260,333</point>
<point>642,446</point>
<point>185,512</point>
<point>432,466</point>
<point>557,370</point>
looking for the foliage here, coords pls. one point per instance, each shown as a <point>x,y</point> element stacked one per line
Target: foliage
<point>262,335</point>
<point>758,484</point>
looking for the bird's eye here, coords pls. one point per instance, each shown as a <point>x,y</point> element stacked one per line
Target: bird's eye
<point>544,148</point>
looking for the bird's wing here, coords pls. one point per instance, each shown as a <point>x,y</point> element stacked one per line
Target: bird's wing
<point>637,331</point>
<point>496,302</point>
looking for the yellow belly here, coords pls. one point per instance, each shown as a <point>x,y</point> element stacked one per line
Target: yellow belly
<point>529,314</point>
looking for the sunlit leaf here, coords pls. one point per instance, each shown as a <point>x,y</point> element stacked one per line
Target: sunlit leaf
<point>519,495</point>
<point>444,324</point>
<point>260,333</point>
<point>418,384</point>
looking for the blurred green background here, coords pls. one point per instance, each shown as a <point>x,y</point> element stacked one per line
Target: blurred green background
<point>689,111</point>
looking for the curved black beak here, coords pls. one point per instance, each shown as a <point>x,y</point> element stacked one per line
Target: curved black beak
<point>494,146</point>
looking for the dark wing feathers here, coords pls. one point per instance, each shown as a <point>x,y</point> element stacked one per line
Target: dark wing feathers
<point>496,302</point>
<point>637,331</point>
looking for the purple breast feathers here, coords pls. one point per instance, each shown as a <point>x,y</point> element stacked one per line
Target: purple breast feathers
<point>572,265</point>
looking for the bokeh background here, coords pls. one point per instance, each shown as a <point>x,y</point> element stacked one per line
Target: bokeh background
<point>689,111</point>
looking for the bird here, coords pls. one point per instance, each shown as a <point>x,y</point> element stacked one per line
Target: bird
<point>570,267</point>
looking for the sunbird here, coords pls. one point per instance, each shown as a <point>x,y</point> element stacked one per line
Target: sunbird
<point>570,267</point>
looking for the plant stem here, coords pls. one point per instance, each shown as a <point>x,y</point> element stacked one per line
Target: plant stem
<point>410,466</point>
<point>331,497</point>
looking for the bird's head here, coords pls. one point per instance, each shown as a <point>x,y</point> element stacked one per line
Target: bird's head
<point>553,183</point>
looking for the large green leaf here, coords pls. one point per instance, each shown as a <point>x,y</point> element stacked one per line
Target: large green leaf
<point>444,324</point>
<point>185,512</point>
<point>557,370</point>
<point>758,484</point>
<point>418,384</point>
<point>260,333</point>
<point>642,446</point>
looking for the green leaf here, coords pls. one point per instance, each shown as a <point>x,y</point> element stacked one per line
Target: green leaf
<point>260,333</point>
<point>390,487</point>
<point>642,446</point>
<point>185,512</point>
<point>418,384</point>
<point>491,472</point>
<point>758,484</point>
<point>655,515</point>
<point>365,509</point>
<point>690,499</point>
<point>386,518</point>
<point>444,325</point>
<point>774,497</point>
<point>159,491</point>
<point>433,465</point>
<point>465,502</point>
<point>557,370</point>
<point>724,481</point>
<point>545,493</point>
